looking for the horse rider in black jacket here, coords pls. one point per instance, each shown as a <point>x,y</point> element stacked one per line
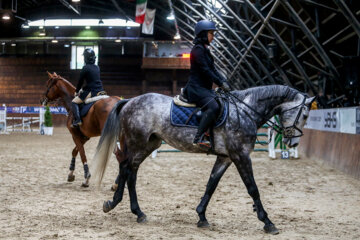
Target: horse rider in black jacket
<point>202,76</point>
<point>90,74</point>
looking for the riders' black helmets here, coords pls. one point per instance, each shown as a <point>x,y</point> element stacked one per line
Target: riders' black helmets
<point>89,56</point>
<point>204,25</point>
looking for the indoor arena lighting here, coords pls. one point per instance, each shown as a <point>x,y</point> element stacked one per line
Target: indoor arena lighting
<point>75,1</point>
<point>171,16</point>
<point>177,36</point>
<point>115,22</point>
<point>186,55</point>
<point>6,16</point>
<point>87,27</point>
<point>54,41</point>
<point>25,25</point>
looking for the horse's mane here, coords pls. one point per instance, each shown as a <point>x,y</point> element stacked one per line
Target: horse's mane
<point>59,77</point>
<point>269,92</point>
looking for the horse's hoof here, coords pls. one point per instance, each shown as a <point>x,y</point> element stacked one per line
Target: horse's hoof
<point>271,229</point>
<point>71,178</point>
<point>141,219</point>
<point>114,187</point>
<point>203,224</point>
<point>84,185</point>
<point>106,206</point>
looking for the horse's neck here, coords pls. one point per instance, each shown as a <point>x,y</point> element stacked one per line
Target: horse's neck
<point>268,104</point>
<point>67,94</point>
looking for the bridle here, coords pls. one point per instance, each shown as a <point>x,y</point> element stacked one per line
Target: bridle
<point>46,100</point>
<point>287,132</point>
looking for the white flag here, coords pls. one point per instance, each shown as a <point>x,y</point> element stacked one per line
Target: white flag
<point>148,25</point>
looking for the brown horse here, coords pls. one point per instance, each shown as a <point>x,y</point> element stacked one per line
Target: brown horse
<point>59,89</point>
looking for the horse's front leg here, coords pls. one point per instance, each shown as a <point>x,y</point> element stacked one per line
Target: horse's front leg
<point>220,166</point>
<point>71,176</point>
<point>244,167</point>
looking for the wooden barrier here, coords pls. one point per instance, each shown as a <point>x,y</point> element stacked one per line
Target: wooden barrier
<point>339,150</point>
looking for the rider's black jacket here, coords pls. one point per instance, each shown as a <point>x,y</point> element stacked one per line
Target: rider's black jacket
<point>90,73</point>
<point>202,74</point>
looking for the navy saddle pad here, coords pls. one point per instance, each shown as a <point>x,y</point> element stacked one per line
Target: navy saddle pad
<point>179,115</point>
<point>84,108</point>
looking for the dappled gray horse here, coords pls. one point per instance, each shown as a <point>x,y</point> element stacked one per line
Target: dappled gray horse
<point>144,122</point>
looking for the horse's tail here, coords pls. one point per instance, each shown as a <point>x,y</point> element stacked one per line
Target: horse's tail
<point>107,141</point>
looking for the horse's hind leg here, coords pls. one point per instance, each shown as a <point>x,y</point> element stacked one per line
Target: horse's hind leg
<point>71,176</point>
<point>134,205</point>
<point>118,195</point>
<point>80,141</point>
<point>220,166</point>
<point>244,167</point>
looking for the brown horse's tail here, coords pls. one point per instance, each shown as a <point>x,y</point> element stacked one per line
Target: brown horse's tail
<point>107,142</point>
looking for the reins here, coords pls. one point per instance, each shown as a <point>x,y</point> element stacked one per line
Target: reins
<point>288,132</point>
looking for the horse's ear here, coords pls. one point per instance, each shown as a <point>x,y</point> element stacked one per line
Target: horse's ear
<point>55,75</point>
<point>309,101</point>
<point>49,74</point>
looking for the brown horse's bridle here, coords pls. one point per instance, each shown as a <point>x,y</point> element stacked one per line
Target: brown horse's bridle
<point>45,100</point>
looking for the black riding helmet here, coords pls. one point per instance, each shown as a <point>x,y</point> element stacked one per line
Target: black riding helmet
<point>201,29</point>
<point>89,56</point>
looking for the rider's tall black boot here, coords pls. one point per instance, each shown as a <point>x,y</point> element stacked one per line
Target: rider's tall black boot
<point>206,121</point>
<point>77,121</point>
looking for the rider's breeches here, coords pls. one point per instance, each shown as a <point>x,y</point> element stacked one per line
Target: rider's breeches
<point>78,100</point>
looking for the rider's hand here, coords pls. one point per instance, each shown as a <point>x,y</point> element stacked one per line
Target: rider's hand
<point>226,87</point>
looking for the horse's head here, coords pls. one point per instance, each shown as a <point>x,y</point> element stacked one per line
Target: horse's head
<point>293,116</point>
<point>53,91</point>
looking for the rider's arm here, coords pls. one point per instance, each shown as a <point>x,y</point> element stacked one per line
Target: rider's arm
<point>198,55</point>
<point>81,80</point>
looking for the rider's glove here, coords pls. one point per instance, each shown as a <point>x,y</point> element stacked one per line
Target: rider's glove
<point>226,87</point>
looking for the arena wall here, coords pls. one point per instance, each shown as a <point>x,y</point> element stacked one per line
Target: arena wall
<point>339,150</point>
<point>23,78</point>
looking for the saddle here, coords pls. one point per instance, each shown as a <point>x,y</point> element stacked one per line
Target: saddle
<point>186,114</point>
<point>85,107</point>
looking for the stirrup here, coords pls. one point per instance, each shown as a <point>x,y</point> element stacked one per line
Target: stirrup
<point>76,124</point>
<point>206,145</point>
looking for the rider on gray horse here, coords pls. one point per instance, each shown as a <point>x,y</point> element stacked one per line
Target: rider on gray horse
<point>202,76</point>
<point>90,73</point>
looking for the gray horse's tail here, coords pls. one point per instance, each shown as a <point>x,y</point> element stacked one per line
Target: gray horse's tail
<point>107,142</point>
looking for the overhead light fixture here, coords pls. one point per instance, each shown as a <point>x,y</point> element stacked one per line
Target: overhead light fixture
<point>41,27</point>
<point>54,41</point>
<point>13,44</point>
<point>83,22</point>
<point>66,45</point>
<point>75,1</point>
<point>57,27</point>
<point>177,36</point>
<point>42,33</point>
<point>101,22</point>
<point>110,27</point>
<point>118,40</point>
<point>25,25</point>
<point>171,16</point>
<point>6,16</point>
<point>3,43</point>
<point>87,27</point>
